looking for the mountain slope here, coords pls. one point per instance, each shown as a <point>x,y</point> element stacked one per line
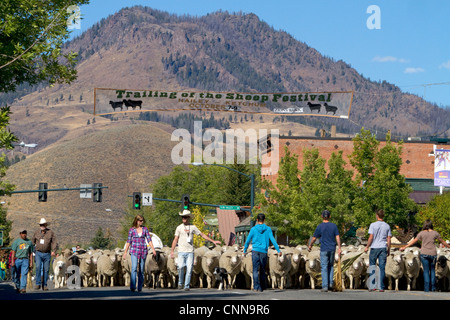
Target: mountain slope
<point>124,158</point>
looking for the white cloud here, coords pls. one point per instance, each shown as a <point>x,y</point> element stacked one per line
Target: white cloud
<point>445,65</point>
<point>389,59</point>
<point>414,70</point>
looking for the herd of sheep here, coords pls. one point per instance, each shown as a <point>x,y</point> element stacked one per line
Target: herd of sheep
<point>295,268</point>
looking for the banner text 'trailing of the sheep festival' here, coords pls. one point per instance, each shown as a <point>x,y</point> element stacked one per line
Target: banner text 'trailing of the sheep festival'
<point>331,104</point>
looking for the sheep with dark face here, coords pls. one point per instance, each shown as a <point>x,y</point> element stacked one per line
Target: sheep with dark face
<point>442,272</point>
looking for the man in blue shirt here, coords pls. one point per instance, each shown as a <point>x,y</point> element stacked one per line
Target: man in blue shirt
<point>260,235</point>
<point>329,236</point>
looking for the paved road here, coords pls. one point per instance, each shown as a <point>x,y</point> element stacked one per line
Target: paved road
<point>7,292</point>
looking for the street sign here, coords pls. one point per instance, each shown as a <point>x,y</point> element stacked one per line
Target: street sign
<point>223,207</point>
<point>86,193</point>
<point>147,199</point>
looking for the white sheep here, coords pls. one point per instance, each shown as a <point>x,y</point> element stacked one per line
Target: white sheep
<point>107,267</point>
<point>172,268</point>
<point>279,267</point>
<point>366,264</point>
<point>354,272</point>
<point>59,270</point>
<point>231,260</point>
<point>126,269</point>
<point>197,270</point>
<point>395,268</point>
<point>247,269</point>
<point>210,261</point>
<point>312,267</point>
<point>87,269</point>
<point>412,268</point>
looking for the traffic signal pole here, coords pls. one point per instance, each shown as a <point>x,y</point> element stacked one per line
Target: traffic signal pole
<point>195,203</point>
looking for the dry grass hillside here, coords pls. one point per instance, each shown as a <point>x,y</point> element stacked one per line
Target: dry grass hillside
<point>123,158</point>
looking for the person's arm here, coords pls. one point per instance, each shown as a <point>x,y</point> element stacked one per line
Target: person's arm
<point>389,245</point>
<point>275,244</point>
<point>204,236</point>
<point>127,245</point>
<point>409,244</point>
<point>13,255</point>
<point>313,239</point>
<point>369,242</point>
<point>54,244</point>
<point>338,241</point>
<point>443,242</point>
<point>174,244</point>
<point>247,242</point>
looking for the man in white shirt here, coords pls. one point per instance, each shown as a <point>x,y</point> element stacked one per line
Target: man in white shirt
<point>184,237</point>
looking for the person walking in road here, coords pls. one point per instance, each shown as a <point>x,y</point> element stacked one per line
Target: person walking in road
<point>138,242</point>
<point>428,253</point>
<point>44,241</point>
<point>380,246</point>
<point>3,269</point>
<point>259,236</point>
<point>184,237</point>
<point>329,237</point>
<point>22,260</point>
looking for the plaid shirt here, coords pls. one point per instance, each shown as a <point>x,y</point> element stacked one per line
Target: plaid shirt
<point>138,247</point>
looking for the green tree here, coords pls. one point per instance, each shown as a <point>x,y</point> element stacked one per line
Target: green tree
<point>341,192</point>
<point>384,187</point>
<point>31,39</point>
<point>100,240</point>
<point>438,211</point>
<point>277,201</point>
<point>365,147</point>
<point>313,197</point>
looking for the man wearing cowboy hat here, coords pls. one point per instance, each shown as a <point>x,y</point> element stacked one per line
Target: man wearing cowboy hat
<point>44,240</point>
<point>184,236</point>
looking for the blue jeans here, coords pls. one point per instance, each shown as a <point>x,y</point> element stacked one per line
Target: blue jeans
<point>137,274</point>
<point>381,255</point>
<point>326,266</point>
<point>185,259</point>
<point>21,273</point>
<point>429,272</point>
<point>259,261</point>
<point>42,264</point>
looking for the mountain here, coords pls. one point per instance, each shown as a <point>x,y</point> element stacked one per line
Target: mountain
<point>143,48</point>
<point>124,158</point>
<point>140,47</point>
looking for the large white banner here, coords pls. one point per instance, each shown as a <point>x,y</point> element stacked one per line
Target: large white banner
<point>330,104</point>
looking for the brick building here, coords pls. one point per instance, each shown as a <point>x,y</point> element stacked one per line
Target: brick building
<point>417,156</point>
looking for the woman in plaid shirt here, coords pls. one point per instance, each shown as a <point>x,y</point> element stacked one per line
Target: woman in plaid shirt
<point>139,240</point>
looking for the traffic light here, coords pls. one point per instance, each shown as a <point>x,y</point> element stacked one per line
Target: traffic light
<point>97,192</point>
<point>137,200</point>
<point>43,194</point>
<point>185,201</point>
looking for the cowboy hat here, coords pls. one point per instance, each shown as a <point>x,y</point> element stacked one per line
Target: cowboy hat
<point>185,213</point>
<point>43,221</point>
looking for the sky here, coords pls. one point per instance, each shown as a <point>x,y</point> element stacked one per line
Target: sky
<point>404,42</point>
